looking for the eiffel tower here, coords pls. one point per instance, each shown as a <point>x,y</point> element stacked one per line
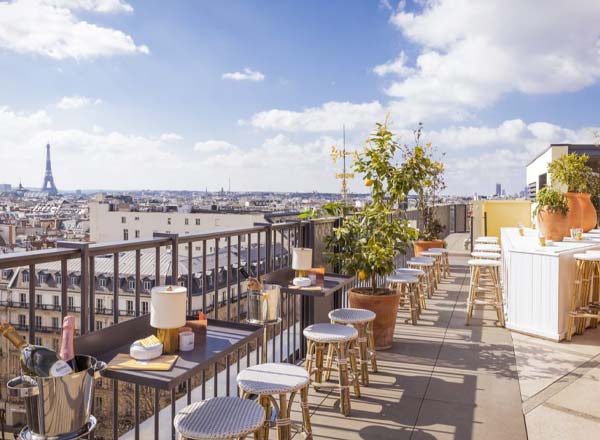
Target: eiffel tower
<point>49,185</point>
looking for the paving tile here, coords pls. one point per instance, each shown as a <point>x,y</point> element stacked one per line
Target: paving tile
<point>544,423</point>
<point>581,396</point>
<point>497,359</point>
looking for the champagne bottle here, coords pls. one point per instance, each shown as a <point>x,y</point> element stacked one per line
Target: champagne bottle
<point>36,360</point>
<point>67,352</point>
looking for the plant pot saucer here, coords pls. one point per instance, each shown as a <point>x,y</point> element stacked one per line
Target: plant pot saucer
<point>27,434</point>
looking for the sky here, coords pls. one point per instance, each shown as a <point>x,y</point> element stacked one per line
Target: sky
<point>188,94</point>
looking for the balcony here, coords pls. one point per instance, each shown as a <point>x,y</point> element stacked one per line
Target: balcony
<point>441,379</point>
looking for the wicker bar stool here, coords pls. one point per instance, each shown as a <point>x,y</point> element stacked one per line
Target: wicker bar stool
<point>487,248</point>
<point>362,321</point>
<point>219,418</point>
<point>584,300</point>
<point>427,267</point>
<point>487,240</point>
<point>407,287</point>
<point>422,286</point>
<point>486,255</point>
<point>270,380</point>
<point>445,260</point>
<point>482,293</point>
<point>343,338</point>
<point>437,263</point>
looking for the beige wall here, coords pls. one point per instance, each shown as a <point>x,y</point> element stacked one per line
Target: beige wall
<point>540,165</point>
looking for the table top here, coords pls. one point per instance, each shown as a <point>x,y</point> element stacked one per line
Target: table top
<point>222,338</point>
<point>332,282</point>
<point>529,243</point>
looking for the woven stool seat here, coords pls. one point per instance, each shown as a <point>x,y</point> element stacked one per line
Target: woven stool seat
<point>486,255</point>
<point>417,262</point>
<point>351,316</point>
<point>484,263</point>
<point>272,378</point>
<point>410,272</point>
<point>401,278</point>
<point>438,250</point>
<point>219,418</point>
<point>487,248</point>
<point>487,240</point>
<point>330,333</point>
<point>590,256</point>
<point>430,253</point>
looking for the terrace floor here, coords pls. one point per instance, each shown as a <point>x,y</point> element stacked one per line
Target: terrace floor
<point>445,380</point>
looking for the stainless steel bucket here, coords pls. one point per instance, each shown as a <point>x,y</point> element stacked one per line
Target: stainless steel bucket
<point>263,305</point>
<point>58,407</point>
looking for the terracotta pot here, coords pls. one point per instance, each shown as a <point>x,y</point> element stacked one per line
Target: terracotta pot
<point>385,308</point>
<point>588,212</point>
<point>553,225</point>
<point>574,214</point>
<point>423,245</point>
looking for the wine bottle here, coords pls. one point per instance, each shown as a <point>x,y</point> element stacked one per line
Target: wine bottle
<point>67,352</point>
<point>36,360</point>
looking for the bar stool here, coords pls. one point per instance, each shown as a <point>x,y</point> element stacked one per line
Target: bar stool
<point>487,248</point>
<point>342,337</point>
<point>219,418</point>
<point>478,290</point>
<point>269,380</point>
<point>487,240</point>
<point>407,287</point>
<point>486,255</point>
<point>445,260</point>
<point>584,303</point>
<point>420,275</point>
<point>427,267</point>
<point>362,321</point>
<point>437,263</point>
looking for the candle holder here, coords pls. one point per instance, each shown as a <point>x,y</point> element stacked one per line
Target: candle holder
<point>167,315</point>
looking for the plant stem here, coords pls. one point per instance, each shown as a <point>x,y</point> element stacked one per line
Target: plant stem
<point>374,283</point>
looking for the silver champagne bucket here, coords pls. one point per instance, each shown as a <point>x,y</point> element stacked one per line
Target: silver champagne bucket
<point>59,407</point>
<point>263,305</point>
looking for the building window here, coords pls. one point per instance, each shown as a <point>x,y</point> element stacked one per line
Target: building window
<point>198,248</point>
<point>136,219</point>
<point>25,277</point>
<point>147,285</point>
<point>99,304</point>
<point>131,284</point>
<point>137,233</point>
<point>197,222</point>
<point>38,300</point>
<point>187,221</point>
<point>23,299</point>
<point>55,346</point>
<point>102,282</point>
<point>99,325</point>
<point>123,219</point>
<point>98,402</point>
<point>125,234</point>
<point>55,301</point>
<point>22,320</point>
<point>38,322</point>
<point>73,280</point>
<point>38,340</point>
<point>182,283</point>
<point>168,220</point>
<point>144,307</point>
<point>58,278</point>
<point>129,307</point>
<point>71,303</point>
<point>41,278</point>
<point>54,322</point>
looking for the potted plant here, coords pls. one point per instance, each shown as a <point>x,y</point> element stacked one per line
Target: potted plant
<point>572,171</point>
<point>369,239</point>
<point>430,228</point>
<point>551,212</point>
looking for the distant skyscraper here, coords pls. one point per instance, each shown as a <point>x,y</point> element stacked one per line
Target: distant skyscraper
<point>498,190</point>
<point>49,185</point>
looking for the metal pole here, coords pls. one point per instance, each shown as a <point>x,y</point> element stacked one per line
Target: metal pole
<point>471,228</point>
<point>485,224</point>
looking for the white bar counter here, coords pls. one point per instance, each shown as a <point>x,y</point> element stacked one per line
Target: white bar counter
<point>538,281</point>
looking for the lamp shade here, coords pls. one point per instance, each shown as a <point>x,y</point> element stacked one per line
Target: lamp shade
<point>301,258</point>
<point>168,307</point>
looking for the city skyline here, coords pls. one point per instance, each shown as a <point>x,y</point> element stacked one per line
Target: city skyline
<point>132,95</point>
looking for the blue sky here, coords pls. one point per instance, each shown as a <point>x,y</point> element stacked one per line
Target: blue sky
<point>183,95</point>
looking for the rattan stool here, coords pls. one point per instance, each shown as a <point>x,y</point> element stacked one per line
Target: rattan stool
<point>486,255</point>
<point>481,294</point>
<point>362,321</point>
<point>487,248</point>
<point>219,418</point>
<point>437,263</point>
<point>584,300</point>
<point>487,240</point>
<point>342,337</point>
<point>407,287</point>
<point>422,286</point>
<point>427,266</point>
<point>270,380</point>
<point>445,260</point>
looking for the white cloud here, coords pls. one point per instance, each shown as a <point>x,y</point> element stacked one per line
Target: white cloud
<point>50,28</point>
<point>331,116</point>
<point>396,66</point>
<point>171,137</point>
<point>76,102</point>
<point>472,53</point>
<point>214,147</point>
<point>246,75</point>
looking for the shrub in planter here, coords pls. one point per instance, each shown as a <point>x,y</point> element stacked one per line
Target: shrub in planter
<point>551,211</point>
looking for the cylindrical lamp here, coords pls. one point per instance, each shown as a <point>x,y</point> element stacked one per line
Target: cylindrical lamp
<point>301,262</point>
<point>167,314</point>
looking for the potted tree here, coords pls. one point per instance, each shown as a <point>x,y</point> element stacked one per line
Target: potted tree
<point>572,171</point>
<point>551,211</point>
<point>369,239</point>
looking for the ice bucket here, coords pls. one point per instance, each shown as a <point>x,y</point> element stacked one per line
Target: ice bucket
<point>58,407</point>
<point>263,305</point>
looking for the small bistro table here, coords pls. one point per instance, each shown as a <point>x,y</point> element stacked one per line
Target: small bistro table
<point>222,339</point>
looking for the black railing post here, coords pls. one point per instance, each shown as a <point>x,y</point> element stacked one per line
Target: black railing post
<point>84,282</point>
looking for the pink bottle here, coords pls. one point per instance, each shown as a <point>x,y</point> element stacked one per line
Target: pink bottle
<point>67,352</point>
